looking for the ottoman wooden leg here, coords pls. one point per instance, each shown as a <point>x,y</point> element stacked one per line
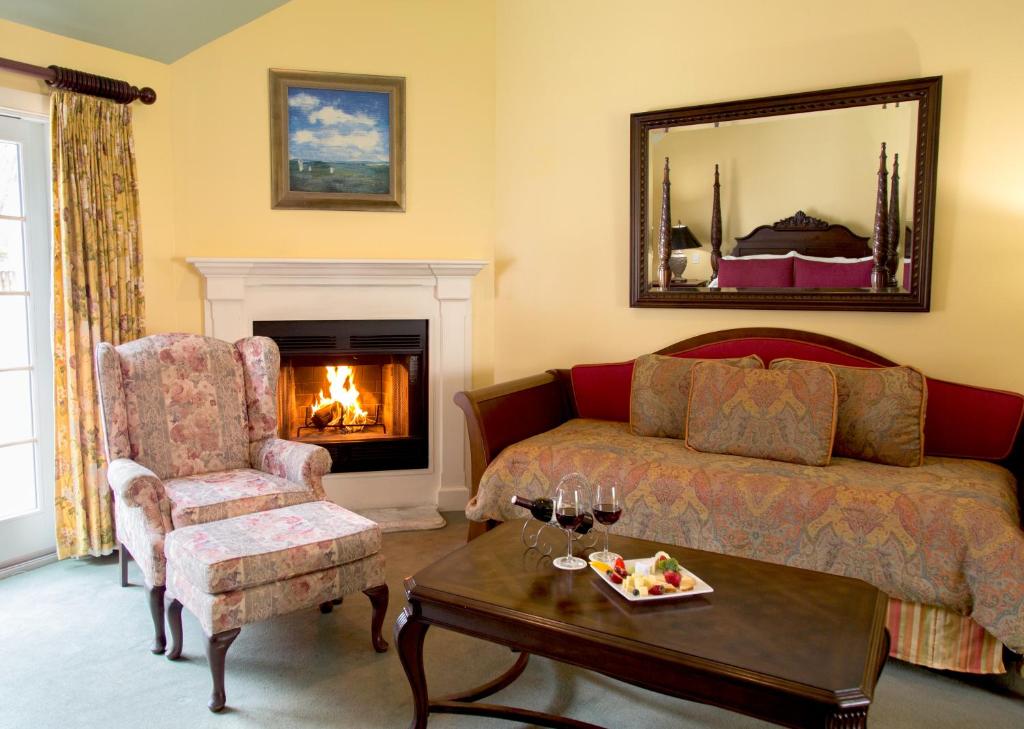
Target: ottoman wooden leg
<point>216,651</point>
<point>379,600</point>
<point>174,623</point>
<point>156,610</point>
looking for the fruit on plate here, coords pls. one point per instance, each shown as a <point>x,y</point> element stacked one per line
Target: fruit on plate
<point>665,577</point>
<point>641,585</point>
<point>614,572</point>
<point>664,563</point>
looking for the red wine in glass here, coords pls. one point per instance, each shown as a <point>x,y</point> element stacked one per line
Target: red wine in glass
<point>569,517</point>
<point>570,512</point>
<point>607,511</point>
<point>607,514</point>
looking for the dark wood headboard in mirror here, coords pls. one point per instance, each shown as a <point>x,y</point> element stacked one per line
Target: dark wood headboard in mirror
<point>714,189</point>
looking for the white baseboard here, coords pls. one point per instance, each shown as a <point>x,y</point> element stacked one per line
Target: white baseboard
<point>452,498</point>
<point>29,564</point>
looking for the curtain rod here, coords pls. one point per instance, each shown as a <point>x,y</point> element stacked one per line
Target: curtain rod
<point>84,83</point>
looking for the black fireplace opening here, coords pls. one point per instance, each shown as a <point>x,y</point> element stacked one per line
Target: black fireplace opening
<point>357,387</point>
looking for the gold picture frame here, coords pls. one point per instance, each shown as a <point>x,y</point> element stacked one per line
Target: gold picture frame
<point>337,141</point>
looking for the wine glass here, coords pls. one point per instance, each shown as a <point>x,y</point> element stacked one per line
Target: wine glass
<point>607,510</point>
<point>570,508</point>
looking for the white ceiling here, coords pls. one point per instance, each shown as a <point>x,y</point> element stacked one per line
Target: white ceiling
<point>164,30</point>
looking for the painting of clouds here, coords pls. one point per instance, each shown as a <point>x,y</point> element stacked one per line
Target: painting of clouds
<point>339,141</point>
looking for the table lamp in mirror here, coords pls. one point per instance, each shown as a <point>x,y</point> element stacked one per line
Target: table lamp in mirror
<point>682,241</point>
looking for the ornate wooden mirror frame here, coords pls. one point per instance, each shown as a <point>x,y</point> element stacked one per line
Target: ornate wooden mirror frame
<point>645,290</point>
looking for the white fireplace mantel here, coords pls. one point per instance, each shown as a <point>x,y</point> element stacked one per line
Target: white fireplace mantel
<point>240,291</point>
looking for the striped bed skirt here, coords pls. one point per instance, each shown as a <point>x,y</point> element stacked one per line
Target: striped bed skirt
<point>931,636</point>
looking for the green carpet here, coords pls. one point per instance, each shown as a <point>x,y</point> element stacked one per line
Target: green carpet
<point>73,654</point>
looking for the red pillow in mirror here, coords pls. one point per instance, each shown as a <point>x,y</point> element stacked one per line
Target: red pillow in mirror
<point>828,275</point>
<point>755,272</point>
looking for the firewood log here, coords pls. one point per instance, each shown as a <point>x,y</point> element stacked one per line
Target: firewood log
<point>326,415</point>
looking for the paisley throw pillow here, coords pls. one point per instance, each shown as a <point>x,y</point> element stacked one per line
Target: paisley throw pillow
<point>660,392</point>
<point>880,414</point>
<point>782,415</point>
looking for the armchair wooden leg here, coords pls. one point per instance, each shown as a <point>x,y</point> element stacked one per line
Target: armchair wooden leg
<point>123,558</point>
<point>174,624</point>
<point>216,652</point>
<point>156,610</point>
<point>379,600</point>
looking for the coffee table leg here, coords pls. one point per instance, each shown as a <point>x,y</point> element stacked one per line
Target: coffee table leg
<point>409,635</point>
<point>852,719</point>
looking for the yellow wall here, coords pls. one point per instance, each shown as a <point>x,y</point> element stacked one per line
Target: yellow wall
<point>518,151</point>
<point>222,149</point>
<point>570,73</point>
<point>152,142</point>
<point>204,150</point>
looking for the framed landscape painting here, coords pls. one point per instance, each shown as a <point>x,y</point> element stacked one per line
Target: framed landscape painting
<point>337,141</point>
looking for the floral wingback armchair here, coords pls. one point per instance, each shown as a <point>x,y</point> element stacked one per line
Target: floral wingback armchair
<point>190,426</point>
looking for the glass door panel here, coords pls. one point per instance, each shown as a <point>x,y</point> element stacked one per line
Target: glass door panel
<point>26,362</point>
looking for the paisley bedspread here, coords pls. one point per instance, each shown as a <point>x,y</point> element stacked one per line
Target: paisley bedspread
<point>945,533</point>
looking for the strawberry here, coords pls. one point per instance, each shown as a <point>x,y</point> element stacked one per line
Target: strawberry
<point>615,577</point>
<point>655,590</point>
<point>673,578</point>
<point>620,564</point>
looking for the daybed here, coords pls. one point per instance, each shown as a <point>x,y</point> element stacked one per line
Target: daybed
<point>943,539</point>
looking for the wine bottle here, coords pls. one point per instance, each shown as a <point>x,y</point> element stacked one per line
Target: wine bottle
<point>542,508</point>
<point>586,525</point>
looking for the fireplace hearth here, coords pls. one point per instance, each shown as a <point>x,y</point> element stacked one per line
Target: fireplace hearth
<point>356,387</point>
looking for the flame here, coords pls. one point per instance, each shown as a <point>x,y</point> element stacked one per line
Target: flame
<point>342,389</point>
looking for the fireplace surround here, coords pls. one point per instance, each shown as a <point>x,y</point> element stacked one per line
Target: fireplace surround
<point>241,291</point>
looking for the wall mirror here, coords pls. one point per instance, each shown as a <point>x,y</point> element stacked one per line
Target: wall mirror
<point>817,200</point>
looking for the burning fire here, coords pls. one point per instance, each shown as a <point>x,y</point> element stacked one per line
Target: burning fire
<point>342,403</point>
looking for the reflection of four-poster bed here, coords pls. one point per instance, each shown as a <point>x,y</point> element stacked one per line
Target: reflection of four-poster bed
<point>806,252</point>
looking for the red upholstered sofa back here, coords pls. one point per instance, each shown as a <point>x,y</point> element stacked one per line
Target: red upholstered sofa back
<point>962,421</point>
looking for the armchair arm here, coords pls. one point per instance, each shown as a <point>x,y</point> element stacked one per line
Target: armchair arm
<point>506,413</point>
<point>303,463</point>
<point>142,515</point>
<point>134,485</point>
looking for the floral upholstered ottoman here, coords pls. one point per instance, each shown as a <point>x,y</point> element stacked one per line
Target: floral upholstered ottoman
<point>249,568</point>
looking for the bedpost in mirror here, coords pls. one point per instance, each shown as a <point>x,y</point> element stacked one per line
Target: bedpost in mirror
<point>893,232</point>
<point>716,226</point>
<point>665,232</point>
<point>880,242</point>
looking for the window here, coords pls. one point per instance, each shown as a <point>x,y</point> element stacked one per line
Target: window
<point>17,429</point>
<point>26,369</point>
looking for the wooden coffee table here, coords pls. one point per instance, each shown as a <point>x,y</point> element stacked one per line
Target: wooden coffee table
<point>791,646</point>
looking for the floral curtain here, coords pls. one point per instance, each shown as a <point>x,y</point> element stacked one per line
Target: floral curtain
<point>97,296</point>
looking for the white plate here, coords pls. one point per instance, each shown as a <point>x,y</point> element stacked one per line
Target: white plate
<point>700,588</point>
